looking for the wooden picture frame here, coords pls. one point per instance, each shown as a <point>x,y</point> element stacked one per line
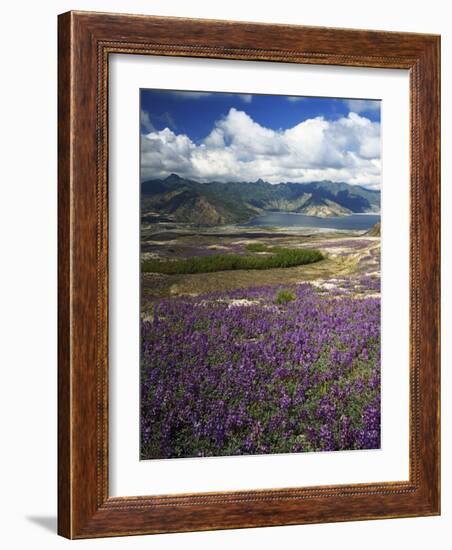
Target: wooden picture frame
<point>86,40</point>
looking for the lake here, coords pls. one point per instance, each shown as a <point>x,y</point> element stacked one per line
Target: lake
<point>287,219</point>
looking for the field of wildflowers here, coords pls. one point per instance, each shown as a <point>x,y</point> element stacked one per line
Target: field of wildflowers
<point>244,372</point>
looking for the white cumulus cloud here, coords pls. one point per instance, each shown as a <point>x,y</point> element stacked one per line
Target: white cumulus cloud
<point>295,98</point>
<point>240,149</point>
<point>362,105</point>
<point>146,122</point>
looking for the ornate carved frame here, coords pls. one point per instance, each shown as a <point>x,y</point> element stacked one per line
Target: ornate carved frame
<point>85,42</point>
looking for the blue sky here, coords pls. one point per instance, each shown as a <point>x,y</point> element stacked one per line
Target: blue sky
<point>226,136</point>
<point>194,113</point>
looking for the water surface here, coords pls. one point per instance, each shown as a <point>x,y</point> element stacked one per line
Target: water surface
<point>287,219</point>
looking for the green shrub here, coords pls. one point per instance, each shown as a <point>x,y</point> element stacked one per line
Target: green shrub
<point>284,296</point>
<point>257,247</point>
<point>280,257</point>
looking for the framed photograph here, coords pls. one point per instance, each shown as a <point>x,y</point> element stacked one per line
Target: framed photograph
<point>249,262</point>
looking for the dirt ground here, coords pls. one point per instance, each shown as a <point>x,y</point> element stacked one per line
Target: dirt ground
<point>346,255</point>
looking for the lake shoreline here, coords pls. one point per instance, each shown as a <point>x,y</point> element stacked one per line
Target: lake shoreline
<point>350,222</point>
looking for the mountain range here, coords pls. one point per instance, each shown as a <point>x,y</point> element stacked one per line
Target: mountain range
<point>217,203</point>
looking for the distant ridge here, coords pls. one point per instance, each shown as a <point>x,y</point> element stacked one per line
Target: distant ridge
<point>216,203</point>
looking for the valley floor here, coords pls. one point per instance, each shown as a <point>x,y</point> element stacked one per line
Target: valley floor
<point>348,256</point>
